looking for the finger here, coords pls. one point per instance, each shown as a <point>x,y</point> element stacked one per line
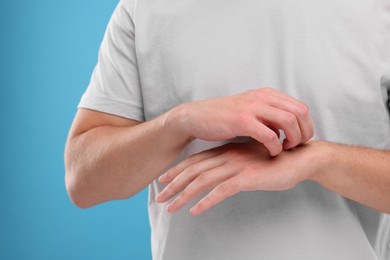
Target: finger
<point>277,132</point>
<point>284,120</point>
<point>205,181</point>
<point>304,119</point>
<point>221,192</point>
<point>298,108</point>
<point>264,135</point>
<point>187,176</point>
<point>180,167</point>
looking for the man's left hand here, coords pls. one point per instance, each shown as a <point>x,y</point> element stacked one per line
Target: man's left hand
<point>230,169</point>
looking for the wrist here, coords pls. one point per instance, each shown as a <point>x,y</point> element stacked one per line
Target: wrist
<point>323,158</point>
<point>175,120</point>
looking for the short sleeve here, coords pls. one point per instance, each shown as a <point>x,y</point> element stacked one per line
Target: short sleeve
<point>114,86</point>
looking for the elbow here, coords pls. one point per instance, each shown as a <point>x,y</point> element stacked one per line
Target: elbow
<point>85,192</point>
<point>76,193</point>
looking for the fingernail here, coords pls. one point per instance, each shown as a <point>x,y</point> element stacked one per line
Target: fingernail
<point>169,207</point>
<point>162,177</point>
<point>160,197</point>
<point>194,209</point>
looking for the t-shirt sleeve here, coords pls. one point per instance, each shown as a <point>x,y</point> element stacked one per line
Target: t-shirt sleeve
<point>114,86</point>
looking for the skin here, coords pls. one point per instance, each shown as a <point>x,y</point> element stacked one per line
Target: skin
<point>359,173</point>
<point>105,154</point>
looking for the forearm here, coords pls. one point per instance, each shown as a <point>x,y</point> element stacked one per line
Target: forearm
<point>359,173</point>
<point>109,162</point>
<point>106,160</point>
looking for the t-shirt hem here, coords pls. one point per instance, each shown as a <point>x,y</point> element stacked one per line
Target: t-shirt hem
<point>111,106</point>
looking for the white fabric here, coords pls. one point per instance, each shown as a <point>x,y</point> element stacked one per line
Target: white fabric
<point>334,55</point>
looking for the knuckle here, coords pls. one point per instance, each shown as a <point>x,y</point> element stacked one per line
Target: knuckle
<point>252,103</point>
<point>224,188</point>
<point>303,110</point>
<point>265,95</point>
<point>309,134</point>
<point>172,172</point>
<point>235,186</point>
<point>202,180</point>
<point>179,199</point>
<point>250,92</point>
<point>257,92</point>
<point>269,136</point>
<point>193,158</point>
<point>171,190</point>
<point>190,170</point>
<point>221,189</point>
<point>267,89</point>
<point>211,198</point>
<point>289,119</point>
<point>208,198</point>
<point>202,177</point>
<point>183,198</point>
<point>232,153</point>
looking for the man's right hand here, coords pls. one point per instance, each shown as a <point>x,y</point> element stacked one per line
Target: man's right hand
<point>258,113</point>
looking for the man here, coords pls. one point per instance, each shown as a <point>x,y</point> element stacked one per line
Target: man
<point>214,104</point>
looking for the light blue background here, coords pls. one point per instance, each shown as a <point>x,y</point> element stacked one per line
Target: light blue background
<point>48,50</point>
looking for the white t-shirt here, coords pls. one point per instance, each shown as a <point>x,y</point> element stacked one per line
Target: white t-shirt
<point>333,55</point>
